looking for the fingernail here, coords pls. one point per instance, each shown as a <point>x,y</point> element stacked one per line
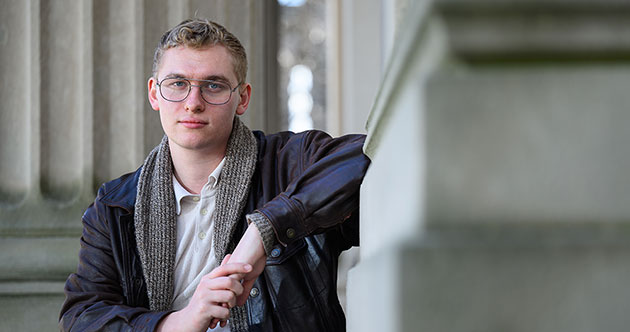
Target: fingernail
<point>247,267</point>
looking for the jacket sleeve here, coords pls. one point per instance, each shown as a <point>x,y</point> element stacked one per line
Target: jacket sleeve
<point>323,193</point>
<point>94,294</point>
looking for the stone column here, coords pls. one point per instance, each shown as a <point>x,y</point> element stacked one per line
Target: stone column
<point>497,197</point>
<point>73,114</point>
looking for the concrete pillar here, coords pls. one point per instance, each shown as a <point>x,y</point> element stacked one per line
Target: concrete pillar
<point>497,197</point>
<point>354,63</point>
<point>73,114</point>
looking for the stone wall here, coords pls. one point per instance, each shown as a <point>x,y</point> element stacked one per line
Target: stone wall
<point>74,113</point>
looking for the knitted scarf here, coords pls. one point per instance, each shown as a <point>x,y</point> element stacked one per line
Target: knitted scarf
<point>155,218</point>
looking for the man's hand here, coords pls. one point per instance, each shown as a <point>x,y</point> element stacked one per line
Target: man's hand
<point>215,294</point>
<point>249,250</point>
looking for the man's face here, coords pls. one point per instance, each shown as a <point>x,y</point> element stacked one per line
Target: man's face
<point>194,124</point>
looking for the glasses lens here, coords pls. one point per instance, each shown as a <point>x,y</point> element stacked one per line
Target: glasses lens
<point>174,89</point>
<point>216,92</point>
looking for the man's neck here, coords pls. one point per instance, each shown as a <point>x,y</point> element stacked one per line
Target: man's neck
<point>192,168</point>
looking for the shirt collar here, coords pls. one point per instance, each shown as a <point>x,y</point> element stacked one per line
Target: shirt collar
<point>216,175</point>
<point>181,192</point>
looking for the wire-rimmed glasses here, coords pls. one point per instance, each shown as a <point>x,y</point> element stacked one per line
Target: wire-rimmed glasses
<point>176,89</point>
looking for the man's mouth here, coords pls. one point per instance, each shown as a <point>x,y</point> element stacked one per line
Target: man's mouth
<point>192,123</point>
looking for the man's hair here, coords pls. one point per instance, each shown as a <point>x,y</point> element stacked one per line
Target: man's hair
<point>201,33</point>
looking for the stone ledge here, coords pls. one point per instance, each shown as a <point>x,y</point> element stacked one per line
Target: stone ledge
<point>561,34</point>
<point>38,259</point>
<point>541,235</point>
<point>484,289</point>
<point>535,4</point>
<point>493,32</point>
<point>31,312</point>
<point>34,288</point>
<point>36,216</point>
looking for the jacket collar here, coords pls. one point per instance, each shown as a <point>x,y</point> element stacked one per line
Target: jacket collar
<point>121,192</point>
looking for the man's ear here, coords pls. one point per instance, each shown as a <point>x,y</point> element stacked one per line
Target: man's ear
<point>153,92</point>
<point>245,94</point>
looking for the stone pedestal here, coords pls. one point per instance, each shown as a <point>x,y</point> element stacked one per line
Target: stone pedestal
<point>497,197</point>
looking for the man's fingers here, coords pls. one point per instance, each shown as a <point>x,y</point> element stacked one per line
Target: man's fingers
<point>219,312</point>
<point>215,321</point>
<point>247,286</point>
<point>211,286</point>
<point>224,298</point>
<point>230,268</point>
<point>226,259</point>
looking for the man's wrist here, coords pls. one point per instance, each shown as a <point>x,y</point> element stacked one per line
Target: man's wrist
<point>265,229</point>
<point>165,323</point>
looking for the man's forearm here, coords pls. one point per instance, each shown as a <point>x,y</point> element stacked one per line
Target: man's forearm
<point>249,250</point>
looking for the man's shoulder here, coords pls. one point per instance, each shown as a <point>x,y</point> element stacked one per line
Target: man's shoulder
<point>279,136</point>
<point>283,138</point>
<point>304,141</point>
<point>120,191</point>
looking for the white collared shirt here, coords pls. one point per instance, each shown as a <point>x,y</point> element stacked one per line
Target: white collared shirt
<point>195,256</point>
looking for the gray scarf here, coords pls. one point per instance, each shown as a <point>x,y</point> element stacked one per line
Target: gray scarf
<point>155,219</point>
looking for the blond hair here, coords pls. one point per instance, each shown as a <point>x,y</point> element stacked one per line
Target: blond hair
<point>200,33</point>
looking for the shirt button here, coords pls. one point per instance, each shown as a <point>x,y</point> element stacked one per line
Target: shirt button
<point>290,233</point>
<point>275,253</point>
<point>196,198</point>
<point>204,212</point>
<point>254,292</point>
<point>202,235</point>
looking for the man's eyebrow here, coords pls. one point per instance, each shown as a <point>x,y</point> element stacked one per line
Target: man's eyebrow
<point>174,75</point>
<point>217,78</point>
<point>207,78</point>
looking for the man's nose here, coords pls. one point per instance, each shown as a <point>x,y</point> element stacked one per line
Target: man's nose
<point>194,102</point>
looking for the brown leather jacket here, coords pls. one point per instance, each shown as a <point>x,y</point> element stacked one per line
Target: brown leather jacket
<point>307,182</point>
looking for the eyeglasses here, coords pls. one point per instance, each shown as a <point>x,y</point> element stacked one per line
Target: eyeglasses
<point>213,92</point>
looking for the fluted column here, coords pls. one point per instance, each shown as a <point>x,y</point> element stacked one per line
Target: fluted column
<point>74,114</point>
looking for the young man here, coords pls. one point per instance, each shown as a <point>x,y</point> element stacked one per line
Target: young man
<point>155,244</point>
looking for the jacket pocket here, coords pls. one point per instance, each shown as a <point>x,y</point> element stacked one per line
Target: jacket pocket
<point>300,280</point>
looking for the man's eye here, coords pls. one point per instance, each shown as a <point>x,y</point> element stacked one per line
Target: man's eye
<point>215,87</point>
<point>176,84</point>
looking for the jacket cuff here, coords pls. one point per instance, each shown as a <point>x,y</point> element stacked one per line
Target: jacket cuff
<point>267,234</point>
<point>287,219</point>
